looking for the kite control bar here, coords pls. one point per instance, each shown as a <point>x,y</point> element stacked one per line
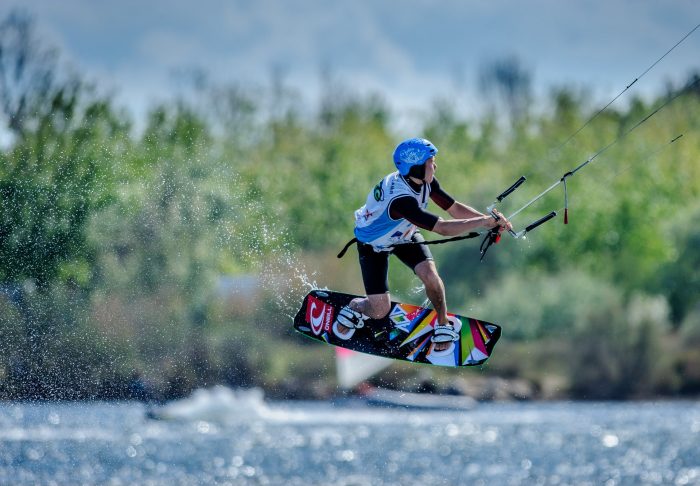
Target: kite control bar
<point>494,235</point>
<point>491,209</point>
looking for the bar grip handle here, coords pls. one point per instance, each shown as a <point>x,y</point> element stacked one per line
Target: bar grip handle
<point>540,221</point>
<point>512,188</point>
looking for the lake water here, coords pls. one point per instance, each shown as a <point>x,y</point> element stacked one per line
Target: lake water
<point>248,441</point>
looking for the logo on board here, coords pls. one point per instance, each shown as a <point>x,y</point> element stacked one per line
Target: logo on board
<point>319,315</point>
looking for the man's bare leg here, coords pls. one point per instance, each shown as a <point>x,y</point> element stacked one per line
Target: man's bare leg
<point>375,306</point>
<point>435,289</point>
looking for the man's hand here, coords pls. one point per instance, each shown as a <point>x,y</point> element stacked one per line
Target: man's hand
<point>500,220</point>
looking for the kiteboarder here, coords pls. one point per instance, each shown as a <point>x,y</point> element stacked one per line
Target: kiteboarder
<point>389,224</point>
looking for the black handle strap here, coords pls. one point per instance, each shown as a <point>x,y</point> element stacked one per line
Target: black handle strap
<point>493,236</point>
<point>345,248</point>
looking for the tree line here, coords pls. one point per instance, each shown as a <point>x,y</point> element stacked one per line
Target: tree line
<point>149,262</point>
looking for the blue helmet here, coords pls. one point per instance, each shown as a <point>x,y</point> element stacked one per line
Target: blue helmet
<point>413,152</point>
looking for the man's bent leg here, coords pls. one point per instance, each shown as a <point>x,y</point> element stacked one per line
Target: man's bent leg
<point>375,271</point>
<point>434,287</point>
<point>375,306</point>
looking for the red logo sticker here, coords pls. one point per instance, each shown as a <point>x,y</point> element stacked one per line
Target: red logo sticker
<point>319,315</point>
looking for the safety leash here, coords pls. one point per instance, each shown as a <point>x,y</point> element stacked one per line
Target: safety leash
<point>473,234</point>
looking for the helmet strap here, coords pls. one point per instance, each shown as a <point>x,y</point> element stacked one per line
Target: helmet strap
<point>417,171</point>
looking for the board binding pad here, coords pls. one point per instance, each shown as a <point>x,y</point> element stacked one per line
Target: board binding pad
<point>404,334</point>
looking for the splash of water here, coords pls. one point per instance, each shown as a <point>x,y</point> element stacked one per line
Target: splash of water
<point>279,269</point>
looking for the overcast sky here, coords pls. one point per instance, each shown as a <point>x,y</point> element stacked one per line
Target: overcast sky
<point>410,51</point>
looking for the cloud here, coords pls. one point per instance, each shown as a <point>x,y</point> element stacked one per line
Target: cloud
<point>410,50</point>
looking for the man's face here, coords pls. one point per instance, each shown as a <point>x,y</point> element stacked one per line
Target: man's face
<point>430,168</point>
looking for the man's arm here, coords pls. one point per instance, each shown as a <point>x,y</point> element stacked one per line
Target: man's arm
<point>455,227</point>
<point>453,207</point>
<point>407,207</point>
<point>462,211</point>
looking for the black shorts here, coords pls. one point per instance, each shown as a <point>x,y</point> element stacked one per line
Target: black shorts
<point>375,265</point>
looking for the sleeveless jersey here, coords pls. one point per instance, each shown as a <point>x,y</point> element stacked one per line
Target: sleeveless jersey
<point>373,224</point>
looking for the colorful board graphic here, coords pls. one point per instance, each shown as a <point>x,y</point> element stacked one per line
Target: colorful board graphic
<point>404,334</point>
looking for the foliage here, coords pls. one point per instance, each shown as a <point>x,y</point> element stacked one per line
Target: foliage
<point>537,305</point>
<point>622,351</point>
<point>116,246</point>
<point>680,278</point>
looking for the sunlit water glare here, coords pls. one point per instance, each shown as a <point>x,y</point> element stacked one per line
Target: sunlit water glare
<point>247,441</point>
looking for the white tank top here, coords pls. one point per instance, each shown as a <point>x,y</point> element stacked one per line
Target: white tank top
<point>373,224</point>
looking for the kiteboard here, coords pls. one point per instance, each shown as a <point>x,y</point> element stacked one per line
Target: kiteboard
<point>404,334</point>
